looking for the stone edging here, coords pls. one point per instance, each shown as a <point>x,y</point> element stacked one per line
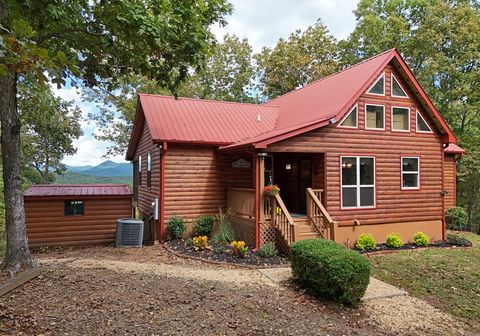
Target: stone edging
<point>219,263</point>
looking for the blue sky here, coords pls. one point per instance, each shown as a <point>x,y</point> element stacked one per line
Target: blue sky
<point>262,22</point>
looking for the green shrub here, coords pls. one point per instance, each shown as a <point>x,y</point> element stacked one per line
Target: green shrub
<point>365,242</point>
<point>268,250</point>
<point>394,240</point>
<point>189,242</point>
<point>330,270</point>
<point>176,227</point>
<point>203,226</point>
<point>458,240</point>
<point>421,239</point>
<point>218,249</point>
<point>456,218</point>
<point>225,233</point>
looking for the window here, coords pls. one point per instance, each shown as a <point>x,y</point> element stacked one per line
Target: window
<point>351,120</point>
<point>410,173</point>
<point>140,170</point>
<point>73,208</point>
<point>149,170</point>
<point>400,119</point>
<point>358,182</point>
<point>397,90</point>
<point>375,116</point>
<point>422,125</point>
<point>378,88</point>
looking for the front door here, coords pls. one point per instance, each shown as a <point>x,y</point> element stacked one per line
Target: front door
<point>304,182</point>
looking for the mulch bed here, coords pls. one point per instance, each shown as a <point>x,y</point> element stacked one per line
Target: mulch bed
<point>410,246</point>
<point>252,259</point>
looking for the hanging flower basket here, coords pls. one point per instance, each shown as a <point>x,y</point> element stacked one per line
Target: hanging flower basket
<point>271,190</point>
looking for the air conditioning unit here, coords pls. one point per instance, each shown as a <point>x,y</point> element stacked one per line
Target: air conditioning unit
<point>129,232</point>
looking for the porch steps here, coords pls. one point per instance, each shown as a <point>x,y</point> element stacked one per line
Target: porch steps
<point>304,230</point>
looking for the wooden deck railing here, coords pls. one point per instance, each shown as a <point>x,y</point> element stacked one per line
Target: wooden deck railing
<point>318,215</point>
<point>241,202</point>
<point>281,219</point>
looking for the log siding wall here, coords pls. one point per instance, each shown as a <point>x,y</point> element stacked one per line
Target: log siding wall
<point>449,176</point>
<point>47,225</point>
<point>393,205</point>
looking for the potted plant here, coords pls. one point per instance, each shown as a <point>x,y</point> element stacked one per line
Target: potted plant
<point>271,190</point>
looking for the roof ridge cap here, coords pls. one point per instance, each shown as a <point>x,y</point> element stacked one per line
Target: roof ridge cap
<point>333,74</point>
<point>207,100</point>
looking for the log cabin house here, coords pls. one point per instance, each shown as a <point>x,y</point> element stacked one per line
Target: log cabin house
<point>361,151</point>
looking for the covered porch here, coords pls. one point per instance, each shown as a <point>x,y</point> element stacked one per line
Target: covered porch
<point>296,213</point>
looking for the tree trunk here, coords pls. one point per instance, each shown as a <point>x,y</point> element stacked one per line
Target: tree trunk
<point>17,254</point>
<point>46,168</point>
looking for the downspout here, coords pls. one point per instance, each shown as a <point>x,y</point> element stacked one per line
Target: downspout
<point>444,223</point>
<point>162,192</point>
<point>257,200</point>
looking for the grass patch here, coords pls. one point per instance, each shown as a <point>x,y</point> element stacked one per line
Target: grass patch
<point>449,279</point>
<point>2,237</point>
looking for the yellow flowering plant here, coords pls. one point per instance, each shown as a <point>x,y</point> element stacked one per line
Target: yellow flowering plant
<point>239,248</point>
<point>200,243</point>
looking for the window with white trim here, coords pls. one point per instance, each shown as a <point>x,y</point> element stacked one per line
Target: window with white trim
<point>375,115</point>
<point>358,181</point>
<point>410,173</point>
<point>400,119</point>
<point>378,88</point>
<point>422,125</point>
<point>397,90</point>
<point>140,170</point>
<point>149,170</point>
<point>351,120</point>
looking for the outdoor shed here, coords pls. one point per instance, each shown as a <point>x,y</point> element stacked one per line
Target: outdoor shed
<point>75,214</point>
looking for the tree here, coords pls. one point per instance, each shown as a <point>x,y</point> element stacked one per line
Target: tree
<point>89,41</point>
<point>226,75</point>
<point>301,59</point>
<point>50,125</point>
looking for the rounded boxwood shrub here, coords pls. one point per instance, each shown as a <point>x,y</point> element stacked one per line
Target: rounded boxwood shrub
<point>394,240</point>
<point>421,239</point>
<point>203,226</point>
<point>456,218</point>
<point>365,242</point>
<point>330,270</point>
<point>176,227</point>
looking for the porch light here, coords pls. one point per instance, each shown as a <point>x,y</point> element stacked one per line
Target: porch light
<point>288,166</point>
<point>262,154</point>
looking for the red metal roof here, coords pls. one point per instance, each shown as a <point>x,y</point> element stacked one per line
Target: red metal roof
<point>78,190</point>
<point>233,125</point>
<point>454,149</point>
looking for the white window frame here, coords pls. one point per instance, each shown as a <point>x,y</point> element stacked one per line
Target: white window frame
<point>375,82</point>
<point>139,163</point>
<point>149,162</point>
<point>358,185</point>
<point>366,119</point>
<point>409,119</point>
<point>347,115</point>
<point>417,114</point>
<point>392,77</point>
<point>410,172</point>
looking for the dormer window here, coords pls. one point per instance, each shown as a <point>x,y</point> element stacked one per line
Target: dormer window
<point>397,90</point>
<point>351,120</point>
<point>378,88</point>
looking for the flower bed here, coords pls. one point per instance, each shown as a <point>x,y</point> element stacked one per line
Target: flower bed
<point>226,256</point>
<point>412,246</point>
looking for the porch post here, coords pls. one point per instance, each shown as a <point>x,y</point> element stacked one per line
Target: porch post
<point>261,186</point>
<point>259,198</point>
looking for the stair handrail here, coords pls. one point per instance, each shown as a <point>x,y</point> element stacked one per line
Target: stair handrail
<point>282,219</point>
<point>318,215</point>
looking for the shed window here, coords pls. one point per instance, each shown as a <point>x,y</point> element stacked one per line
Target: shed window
<point>73,208</point>
<point>410,173</point>
<point>351,119</point>
<point>378,88</point>
<point>358,182</point>
<point>422,125</point>
<point>149,170</point>
<point>400,119</point>
<point>375,116</point>
<point>140,170</point>
<point>397,90</point>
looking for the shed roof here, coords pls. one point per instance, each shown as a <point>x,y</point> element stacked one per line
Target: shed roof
<point>55,190</point>
<point>454,149</point>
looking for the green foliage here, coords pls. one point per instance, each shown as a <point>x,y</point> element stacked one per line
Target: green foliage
<point>176,228</point>
<point>268,250</point>
<point>456,218</point>
<point>301,59</point>
<point>239,248</point>
<point>72,178</point>
<point>421,239</point>
<point>224,233</point>
<point>203,226</point>
<point>189,242</point>
<point>458,240</point>
<point>200,243</point>
<point>330,270</point>
<point>365,242</point>
<point>218,249</point>
<point>394,240</point>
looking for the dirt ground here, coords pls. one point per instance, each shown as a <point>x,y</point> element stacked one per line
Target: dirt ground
<point>148,291</point>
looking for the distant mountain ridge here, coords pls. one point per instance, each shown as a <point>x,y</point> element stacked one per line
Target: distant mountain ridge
<point>105,169</point>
